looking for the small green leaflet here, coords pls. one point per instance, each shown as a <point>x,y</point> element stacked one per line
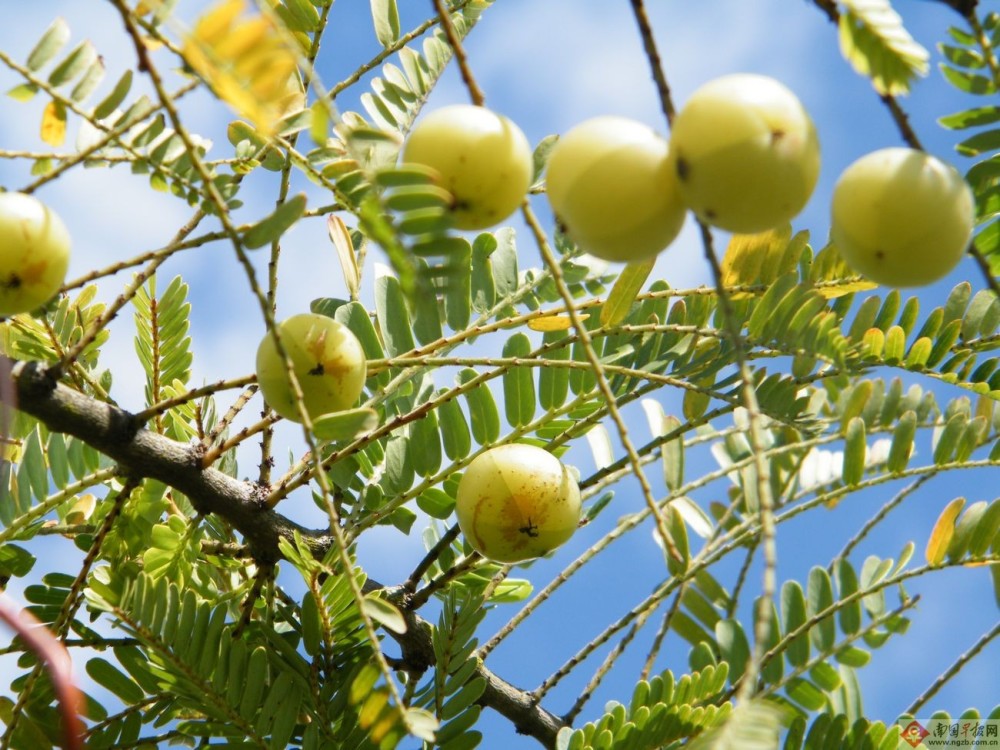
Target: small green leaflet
<point>384,613</point>
<point>385,16</point>
<point>49,45</point>
<point>345,425</point>
<point>271,227</point>
<point>624,292</point>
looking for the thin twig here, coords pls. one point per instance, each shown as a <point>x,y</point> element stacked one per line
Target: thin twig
<point>410,584</point>
<point>732,326</point>
<point>611,402</point>
<point>444,17</point>
<point>884,511</point>
<point>954,669</point>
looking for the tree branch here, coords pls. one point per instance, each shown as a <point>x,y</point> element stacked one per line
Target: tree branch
<point>142,453</point>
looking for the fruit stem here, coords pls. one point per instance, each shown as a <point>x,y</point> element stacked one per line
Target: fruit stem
<point>475,93</point>
<point>655,62</point>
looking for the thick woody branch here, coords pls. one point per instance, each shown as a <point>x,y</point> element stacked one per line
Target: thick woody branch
<point>142,453</point>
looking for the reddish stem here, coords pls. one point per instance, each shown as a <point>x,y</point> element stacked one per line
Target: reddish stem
<point>57,661</point>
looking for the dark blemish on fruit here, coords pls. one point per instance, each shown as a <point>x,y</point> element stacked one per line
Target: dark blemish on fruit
<point>710,213</point>
<point>683,168</point>
<point>879,254</point>
<point>530,529</point>
<point>317,370</point>
<point>11,282</point>
<point>776,135</point>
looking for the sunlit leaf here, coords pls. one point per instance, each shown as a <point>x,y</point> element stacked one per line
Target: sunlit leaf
<point>761,258</point>
<point>874,40</point>
<point>548,323</point>
<point>48,45</point>
<point>53,130</point>
<point>623,293</point>
<point>385,16</point>
<point>250,63</point>
<point>943,531</point>
<point>833,277</point>
<point>384,613</point>
<point>78,60</point>
<point>341,239</point>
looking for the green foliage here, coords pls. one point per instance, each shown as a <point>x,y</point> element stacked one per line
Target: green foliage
<point>454,689</point>
<point>662,710</point>
<point>971,67</point>
<point>162,342</point>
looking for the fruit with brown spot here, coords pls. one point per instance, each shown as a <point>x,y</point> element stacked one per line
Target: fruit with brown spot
<point>483,159</point>
<point>745,153</point>
<point>902,217</point>
<point>517,502</point>
<point>34,253</point>
<point>328,362</point>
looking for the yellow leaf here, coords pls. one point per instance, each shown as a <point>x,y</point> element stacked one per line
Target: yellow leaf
<point>53,130</point>
<point>553,322</point>
<point>250,63</point>
<point>214,25</point>
<point>81,510</point>
<point>839,289</point>
<point>760,258</point>
<point>943,531</point>
<point>145,7</point>
<point>833,277</point>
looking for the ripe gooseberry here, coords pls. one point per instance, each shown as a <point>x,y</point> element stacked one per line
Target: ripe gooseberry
<point>610,185</point>
<point>328,361</point>
<point>745,152</point>
<point>516,502</point>
<point>34,253</point>
<point>483,159</point>
<point>902,217</point>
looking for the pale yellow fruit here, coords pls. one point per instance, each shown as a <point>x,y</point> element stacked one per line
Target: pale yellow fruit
<point>483,158</point>
<point>611,187</point>
<point>902,217</point>
<point>745,152</point>
<point>34,253</point>
<point>516,502</point>
<point>329,364</point>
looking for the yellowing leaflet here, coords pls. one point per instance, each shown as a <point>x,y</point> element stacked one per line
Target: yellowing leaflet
<point>249,61</point>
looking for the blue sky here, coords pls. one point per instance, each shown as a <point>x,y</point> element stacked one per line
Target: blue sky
<point>549,65</point>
